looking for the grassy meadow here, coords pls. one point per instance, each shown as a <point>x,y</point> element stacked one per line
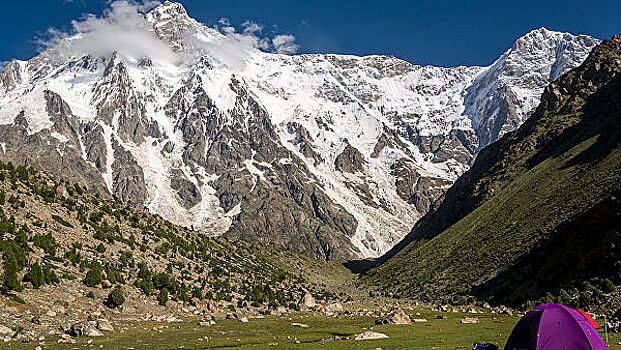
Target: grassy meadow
<point>273,332</point>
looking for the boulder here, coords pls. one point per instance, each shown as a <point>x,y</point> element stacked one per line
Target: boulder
<point>368,335</point>
<point>300,325</point>
<point>85,329</point>
<point>419,320</point>
<point>333,307</point>
<point>4,330</point>
<point>307,302</point>
<point>396,316</point>
<point>467,320</point>
<point>104,325</point>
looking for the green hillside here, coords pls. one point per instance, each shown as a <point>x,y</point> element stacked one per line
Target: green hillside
<point>539,211</point>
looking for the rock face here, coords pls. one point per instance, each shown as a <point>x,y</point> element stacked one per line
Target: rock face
<point>333,156</point>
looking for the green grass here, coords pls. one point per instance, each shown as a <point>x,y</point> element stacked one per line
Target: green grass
<point>274,332</point>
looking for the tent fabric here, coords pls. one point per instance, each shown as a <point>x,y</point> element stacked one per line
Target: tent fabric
<point>554,326</point>
<point>588,318</point>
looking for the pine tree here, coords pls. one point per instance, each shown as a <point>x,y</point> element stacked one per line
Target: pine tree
<point>162,298</point>
<point>115,298</point>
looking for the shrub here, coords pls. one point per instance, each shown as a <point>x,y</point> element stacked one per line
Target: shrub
<point>18,299</point>
<point>90,295</point>
<point>61,221</point>
<point>93,276</point>
<point>35,276</point>
<point>162,298</point>
<point>145,286</point>
<point>50,276</point>
<point>115,298</point>
<point>101,248</point>
<point>45,242</point>
<point>607,286</point>
<point>114,276</point>
<point>69,276</point>
<point>10,280</point>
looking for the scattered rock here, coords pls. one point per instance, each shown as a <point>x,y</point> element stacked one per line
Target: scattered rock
<point>368,335</point>
<point>419,320</point>
<point>4,330</point>
<point>333,307</point>
<point>467,319</point>
<point>59,307</point>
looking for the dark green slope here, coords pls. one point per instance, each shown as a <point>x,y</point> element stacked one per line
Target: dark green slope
<point>538,211</point>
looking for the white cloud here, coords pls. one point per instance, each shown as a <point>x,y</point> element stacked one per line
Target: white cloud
<point>251,27</point>
<point>122,28</point>
<point>285,44</point>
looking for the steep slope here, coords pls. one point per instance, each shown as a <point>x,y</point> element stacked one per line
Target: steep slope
<point>87,246</point>
<point>539,210</point>
<point>335,156</point>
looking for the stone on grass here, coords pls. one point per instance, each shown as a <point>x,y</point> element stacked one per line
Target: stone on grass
<point>467,319</point>
<point>85,330</point>
<point>104,325</point>
<point>300,325</point>
<point>368,335</point>
<point>396,316</point>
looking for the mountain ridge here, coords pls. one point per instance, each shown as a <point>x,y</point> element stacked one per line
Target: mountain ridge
<point>360,147</point>
<point>543,196</point>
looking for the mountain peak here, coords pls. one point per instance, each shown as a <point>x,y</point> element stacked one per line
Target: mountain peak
<point>169,9</point>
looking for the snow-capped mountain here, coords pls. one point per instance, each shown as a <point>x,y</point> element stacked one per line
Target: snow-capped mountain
<point>332,155</point>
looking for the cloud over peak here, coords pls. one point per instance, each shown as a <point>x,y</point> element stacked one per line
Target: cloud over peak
<point>123,28</point>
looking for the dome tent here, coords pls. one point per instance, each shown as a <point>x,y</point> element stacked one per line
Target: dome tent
<point>552,327</point>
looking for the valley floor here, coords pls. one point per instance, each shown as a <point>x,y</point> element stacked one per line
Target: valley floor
<point>274,332</point>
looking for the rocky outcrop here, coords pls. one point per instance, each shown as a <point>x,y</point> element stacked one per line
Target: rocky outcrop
<point>11,75</point>
<point>188,194</point>
<point>350,160</point>
<point>413,187</point>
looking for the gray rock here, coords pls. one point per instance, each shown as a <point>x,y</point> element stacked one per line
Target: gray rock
<point>368,335</point>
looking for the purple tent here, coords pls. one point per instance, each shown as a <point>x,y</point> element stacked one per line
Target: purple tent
<point>552,327</point>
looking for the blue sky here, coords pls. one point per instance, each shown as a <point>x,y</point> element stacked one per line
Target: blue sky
<point>435,32</point>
